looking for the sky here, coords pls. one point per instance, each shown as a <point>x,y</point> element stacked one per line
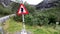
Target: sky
<point>34,2</point>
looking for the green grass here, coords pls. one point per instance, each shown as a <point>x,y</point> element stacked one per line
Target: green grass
<point>13,26</point>
<point>43,30</point>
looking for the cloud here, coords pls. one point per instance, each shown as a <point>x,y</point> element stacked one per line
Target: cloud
<point>34,2</point>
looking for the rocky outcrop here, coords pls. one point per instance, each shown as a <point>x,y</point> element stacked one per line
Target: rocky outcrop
<point>5,3</point>
<point>47,4</point>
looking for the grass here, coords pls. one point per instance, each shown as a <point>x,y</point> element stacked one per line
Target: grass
<point>13,26</point>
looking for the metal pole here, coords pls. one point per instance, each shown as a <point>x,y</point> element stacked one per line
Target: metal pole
<point>23,21</point>
<point>23,18</point>
<point>23,30</point>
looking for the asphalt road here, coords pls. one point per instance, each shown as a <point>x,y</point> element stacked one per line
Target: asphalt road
<point>3,19</point>
<point>23,31</point>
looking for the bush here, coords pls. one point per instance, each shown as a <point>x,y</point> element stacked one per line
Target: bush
<point>5,11</point>
<point>17,18</point>
<point>38,17</point>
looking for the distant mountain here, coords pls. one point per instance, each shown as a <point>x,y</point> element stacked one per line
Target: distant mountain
<point>5,1</point>
<point>47,4</point>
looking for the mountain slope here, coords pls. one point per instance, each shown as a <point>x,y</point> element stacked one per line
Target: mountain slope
<point>48,4</point>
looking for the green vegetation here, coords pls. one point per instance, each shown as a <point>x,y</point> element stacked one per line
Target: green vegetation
<point>4,11</point>
<point>41,17</point>
<point>37,21</point>
<point>12,26</point>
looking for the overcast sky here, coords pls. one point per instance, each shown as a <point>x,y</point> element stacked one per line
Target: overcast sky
<point>34,2</point>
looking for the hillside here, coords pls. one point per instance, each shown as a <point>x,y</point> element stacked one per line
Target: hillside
<point>48,4</point>
<point>45,21</point>
<point>5,11</point>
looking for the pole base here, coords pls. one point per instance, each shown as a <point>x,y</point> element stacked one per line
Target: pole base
<point>23,31</point>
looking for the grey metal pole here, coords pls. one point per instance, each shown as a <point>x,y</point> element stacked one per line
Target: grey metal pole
<point>23,18</point>
<point>23,21</point>
<point>23,30</point>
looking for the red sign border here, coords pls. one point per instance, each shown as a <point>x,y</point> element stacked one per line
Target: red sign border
<point>24,8</point>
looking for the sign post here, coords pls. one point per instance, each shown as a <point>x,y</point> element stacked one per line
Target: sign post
<point>22,11</point>
<point>22,16</point>
<point>23,21</point>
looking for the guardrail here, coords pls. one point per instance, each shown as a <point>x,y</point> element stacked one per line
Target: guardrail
<point>2,20</point>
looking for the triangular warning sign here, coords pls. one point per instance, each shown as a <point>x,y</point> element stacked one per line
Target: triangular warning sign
<point>22,10</point>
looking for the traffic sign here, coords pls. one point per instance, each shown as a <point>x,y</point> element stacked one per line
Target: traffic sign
<point>22,10</point>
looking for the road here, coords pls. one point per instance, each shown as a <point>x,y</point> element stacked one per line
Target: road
<point>3,19</point>
<point>23,31</point>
